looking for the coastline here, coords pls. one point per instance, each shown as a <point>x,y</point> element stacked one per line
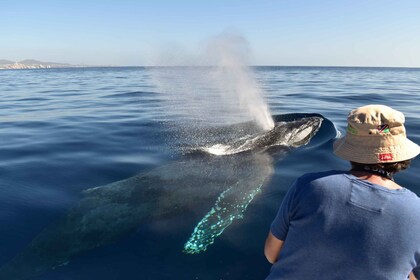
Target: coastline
<point>20,66</point>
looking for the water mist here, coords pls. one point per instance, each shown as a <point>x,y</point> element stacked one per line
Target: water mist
<point>235,80</point>
<point>216,88</point>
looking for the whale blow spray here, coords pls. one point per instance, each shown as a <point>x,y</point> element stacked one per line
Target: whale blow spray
<point>235,80</point>
<point>215,87</point>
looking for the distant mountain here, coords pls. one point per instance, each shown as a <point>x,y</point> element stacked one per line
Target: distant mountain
<point>31,64</point>
<point>4,61</point>
<point>37,62</point>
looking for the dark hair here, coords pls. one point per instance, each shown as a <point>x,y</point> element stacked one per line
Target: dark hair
<point>392,167</point>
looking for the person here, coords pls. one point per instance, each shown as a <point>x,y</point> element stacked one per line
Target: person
<point>358,224</point>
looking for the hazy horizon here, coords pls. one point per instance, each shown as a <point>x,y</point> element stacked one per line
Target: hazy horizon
<point>250,65</point>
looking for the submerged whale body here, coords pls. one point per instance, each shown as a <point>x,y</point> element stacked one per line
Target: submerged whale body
<point>107,213</point>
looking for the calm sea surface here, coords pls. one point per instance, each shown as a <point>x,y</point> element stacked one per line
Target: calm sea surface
<point>63,131</point>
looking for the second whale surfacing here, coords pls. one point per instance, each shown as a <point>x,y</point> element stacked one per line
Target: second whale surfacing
<point>109,212</point>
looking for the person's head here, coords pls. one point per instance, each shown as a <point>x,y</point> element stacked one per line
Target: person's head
<point>376,137</point>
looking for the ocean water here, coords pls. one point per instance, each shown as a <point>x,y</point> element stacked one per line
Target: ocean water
<point>63,131</point>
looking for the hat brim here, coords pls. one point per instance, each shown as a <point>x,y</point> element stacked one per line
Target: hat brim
<point>405,150</point>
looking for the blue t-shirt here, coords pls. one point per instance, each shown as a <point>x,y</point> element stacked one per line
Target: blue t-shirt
<point>336,226</point>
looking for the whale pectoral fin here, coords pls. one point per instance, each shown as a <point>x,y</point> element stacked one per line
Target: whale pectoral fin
<point>230,205</point>
<point>227,208</point>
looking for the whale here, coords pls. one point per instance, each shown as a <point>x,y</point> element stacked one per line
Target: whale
<point>232,203</point>
<point>292,134</point>
<point>231,178</point>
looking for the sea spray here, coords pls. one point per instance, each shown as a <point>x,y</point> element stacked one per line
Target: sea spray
<point>235,80</point>
<point>216,88</point>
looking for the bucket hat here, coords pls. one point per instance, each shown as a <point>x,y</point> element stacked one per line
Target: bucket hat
<point>375,134</point>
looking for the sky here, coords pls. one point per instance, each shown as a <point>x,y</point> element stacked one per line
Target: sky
<point>157,32</point>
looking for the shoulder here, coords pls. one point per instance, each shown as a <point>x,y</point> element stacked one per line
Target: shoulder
<point>412,194</point>
<point>320,183</point>
<point>406,204</point>
<point>330,175</point>
<point>410,199</point>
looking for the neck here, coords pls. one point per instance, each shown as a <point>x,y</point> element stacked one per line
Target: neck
<point>375,179</point>
<point>375,171</point>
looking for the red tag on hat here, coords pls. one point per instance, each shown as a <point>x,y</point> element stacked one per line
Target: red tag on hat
<point>386,157</point>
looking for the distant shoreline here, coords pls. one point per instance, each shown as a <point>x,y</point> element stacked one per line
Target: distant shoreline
<point>39,67</point>
<point>33,64</point>
<point>47,66</point>
<point>59,67</point>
